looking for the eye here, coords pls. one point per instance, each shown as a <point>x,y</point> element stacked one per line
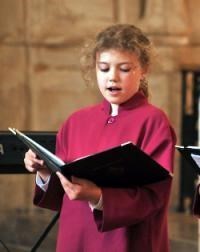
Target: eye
<point>104,69</point>
<point>125,69</point>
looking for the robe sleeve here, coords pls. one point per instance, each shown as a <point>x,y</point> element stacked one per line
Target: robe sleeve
<point>52,198</point>
<point>126,207</point>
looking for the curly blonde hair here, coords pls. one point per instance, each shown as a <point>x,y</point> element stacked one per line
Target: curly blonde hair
<point>124,37</point>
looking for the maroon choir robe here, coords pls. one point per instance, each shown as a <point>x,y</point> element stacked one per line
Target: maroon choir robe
<point>133,219</point>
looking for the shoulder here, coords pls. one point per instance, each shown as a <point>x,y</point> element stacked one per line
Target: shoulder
<point>154,118</point>
<point>154,114</point>
<point>85,112</point>
<point>157,120</point>
<point>82,114</point>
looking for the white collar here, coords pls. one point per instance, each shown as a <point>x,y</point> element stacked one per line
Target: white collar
<point>114,109</point>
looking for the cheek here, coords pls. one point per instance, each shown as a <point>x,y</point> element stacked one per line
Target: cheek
<point>101,79</point>
<point>132,84</point>
<point>134,79</point>
<point>100,82</point>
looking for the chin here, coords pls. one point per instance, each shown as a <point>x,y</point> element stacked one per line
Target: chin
<point>114,101</point>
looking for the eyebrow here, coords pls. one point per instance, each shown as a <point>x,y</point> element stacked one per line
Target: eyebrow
<point>120,63</point>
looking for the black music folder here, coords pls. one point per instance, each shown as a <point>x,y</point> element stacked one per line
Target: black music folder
<point>121,166</point>
<point>191,155</point>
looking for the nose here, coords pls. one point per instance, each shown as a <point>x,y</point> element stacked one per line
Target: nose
<point>113,75</point>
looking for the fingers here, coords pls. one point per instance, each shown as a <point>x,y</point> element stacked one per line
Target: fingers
<point>32,163</point>
<point>80,189</point>
<point>72,190</point>
<point>64,181</point>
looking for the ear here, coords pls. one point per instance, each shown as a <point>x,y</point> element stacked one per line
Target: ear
<point>143,75</point>
<point>145,70</point>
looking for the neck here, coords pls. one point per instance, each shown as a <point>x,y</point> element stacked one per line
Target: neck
<point>114,109</point>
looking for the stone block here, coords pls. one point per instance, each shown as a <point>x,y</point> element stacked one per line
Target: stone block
<point>18,194</point>
<point>57,87</point>
<point>164,17</point>
<point>65,21</point>
<point>13,96</point>
<point>194,13</point>
<point>164,60</point>
<point>159,91</point>
<point>12,21</point>
<point>188,56</point>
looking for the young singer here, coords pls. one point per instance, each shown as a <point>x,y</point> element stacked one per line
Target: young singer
<point>109,219</point>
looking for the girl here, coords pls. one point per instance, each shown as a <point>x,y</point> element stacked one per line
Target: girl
<point>109,219</point>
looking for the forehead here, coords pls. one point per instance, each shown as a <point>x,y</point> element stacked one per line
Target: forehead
<point>116,56</point>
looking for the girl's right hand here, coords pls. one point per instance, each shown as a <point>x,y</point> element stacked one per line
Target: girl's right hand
<point>34,164</point>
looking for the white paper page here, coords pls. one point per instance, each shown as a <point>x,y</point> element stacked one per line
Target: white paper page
<point>193,147</point>
<point>196,158</point>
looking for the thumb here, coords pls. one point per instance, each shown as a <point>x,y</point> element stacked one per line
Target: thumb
<point>59,174</point>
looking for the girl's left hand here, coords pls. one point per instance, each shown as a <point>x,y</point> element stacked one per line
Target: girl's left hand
<point>80,189</point>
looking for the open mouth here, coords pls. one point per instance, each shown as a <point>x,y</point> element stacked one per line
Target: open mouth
<point>113,89</point>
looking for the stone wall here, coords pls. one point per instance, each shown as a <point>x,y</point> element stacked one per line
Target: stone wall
<point>41,84</point>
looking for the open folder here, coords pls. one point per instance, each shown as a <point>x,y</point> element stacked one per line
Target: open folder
<point>121,166</point>
<point>191,155</point>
